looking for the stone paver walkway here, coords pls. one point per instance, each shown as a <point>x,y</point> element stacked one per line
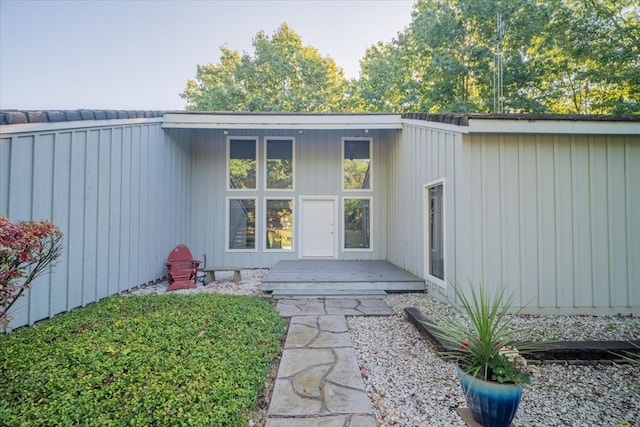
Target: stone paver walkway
<point>325,306</point>
<point>319,381</point>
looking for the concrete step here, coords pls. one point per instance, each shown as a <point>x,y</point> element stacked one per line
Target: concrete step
<point>399,286</point>
<point>328,293</point>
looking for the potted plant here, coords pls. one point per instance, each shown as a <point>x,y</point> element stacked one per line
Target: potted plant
<point>492,370</point>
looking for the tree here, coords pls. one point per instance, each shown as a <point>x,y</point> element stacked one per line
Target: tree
<point>27,250</point>
<point>282,75</point>
<point>559,56</point>
<point>591,59</point>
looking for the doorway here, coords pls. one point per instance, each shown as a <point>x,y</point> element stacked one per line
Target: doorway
<point>318,234</point>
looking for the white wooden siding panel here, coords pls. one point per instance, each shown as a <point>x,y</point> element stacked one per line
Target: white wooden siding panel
<point>103,213</point>
<point>599,223</point>
<point>41,209</point>
<point>463,214</point>
<point>126,232</point>
<point>564,280</point>
<point>20,199</point>
<point>20,204</point>
<point>60,284</point>
<point>546,222</point>
<point>528,222</point>
<point>492,213</point>
<point>509,182</point>
<point>135,224</point>
<point>617,220</point>
<point>632,167</point>
<point>450,207</point>
<point>114,210</point>
<point>90,218</point>
<point>476,185</point>
<point>582,223</point>
<point>75,233</point>
<point>5,168</point>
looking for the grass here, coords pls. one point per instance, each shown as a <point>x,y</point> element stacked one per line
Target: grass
<point>140,361</point>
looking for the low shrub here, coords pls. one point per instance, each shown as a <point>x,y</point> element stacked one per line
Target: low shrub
<point>140,361</point>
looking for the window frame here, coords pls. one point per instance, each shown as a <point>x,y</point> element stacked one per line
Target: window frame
<point>371,168</point>
<point>228,228</point>
<point>266,225</point>
<point>228,165</point>
<point>293,162</point>
<point>427,233</point>
<point>344,229</point>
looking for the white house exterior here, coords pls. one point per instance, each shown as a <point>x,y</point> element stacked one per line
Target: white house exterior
<point>548,207</point>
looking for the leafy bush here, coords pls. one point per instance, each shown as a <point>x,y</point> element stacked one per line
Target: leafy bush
<point>152,360</point>
<point>27,250</point>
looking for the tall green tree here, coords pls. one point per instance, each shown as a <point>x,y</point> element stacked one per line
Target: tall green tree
<point>590,57</point>
<point>281,75</point>
<point>559,56</point>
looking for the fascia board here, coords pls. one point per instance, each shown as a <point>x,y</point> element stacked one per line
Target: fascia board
<point>72,125</point>
<point>282,121</point>
<point>554,126</point>
<point>447,127</point>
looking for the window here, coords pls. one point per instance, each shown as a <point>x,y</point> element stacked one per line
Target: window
<point>279,170</point>
<point>356,164</point>
<point>279,224</point>
<point>242,163</point>
<point>436,231</point>
<point>242,224</point>
<point>357,218</point>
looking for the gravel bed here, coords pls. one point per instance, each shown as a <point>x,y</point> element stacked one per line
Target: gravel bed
<point>410,386</point>
<point>534,327</point>
<point>248,285</point>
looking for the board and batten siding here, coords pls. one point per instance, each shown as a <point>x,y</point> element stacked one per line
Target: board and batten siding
<point>420,156</point>
<point>117,192</point>
<point>556,218</point>
<point>317,166</point>
<point>553,217</point>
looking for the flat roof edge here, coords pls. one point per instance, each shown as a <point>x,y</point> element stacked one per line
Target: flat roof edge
<point>214,120</point>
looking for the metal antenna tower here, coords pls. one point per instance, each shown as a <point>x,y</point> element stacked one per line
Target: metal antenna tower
<point>498,94</point>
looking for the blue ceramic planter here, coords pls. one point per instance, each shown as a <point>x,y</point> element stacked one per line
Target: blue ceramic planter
<point>492,404</point>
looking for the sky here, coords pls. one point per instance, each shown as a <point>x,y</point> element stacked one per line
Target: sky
<point>139,54</point>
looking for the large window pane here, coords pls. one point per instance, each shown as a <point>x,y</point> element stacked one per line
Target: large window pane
<point>279,224</point>
<point>357,165</point>
<point>242,163</point>
<point>242,224</point>
<point>436,238</point>
<point>279,164</point>
<point>356,223</point>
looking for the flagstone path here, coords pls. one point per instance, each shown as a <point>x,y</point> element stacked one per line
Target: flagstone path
<point>319,382</point>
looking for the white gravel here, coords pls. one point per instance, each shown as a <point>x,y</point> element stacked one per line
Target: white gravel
<point>409,385</point>
<point>248,285</point>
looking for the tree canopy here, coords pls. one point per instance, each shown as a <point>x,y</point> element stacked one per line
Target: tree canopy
<point>557,56</point>
<point>281,75</point>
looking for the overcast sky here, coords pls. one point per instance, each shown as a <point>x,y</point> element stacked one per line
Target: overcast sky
<point>139,54</point>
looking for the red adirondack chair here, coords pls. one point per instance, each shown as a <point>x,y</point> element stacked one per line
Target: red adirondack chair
<point>182,269</point>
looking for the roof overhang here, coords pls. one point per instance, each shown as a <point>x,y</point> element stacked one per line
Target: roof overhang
<point>574,127</point>
<point>526,123</point>
<point>325,121</point>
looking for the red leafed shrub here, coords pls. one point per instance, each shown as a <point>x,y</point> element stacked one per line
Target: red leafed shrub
<point>27,249</point>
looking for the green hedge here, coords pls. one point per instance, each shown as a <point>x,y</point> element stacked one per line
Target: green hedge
<point>140,361</point>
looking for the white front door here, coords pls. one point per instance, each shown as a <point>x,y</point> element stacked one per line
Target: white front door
<point>318,228</point>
